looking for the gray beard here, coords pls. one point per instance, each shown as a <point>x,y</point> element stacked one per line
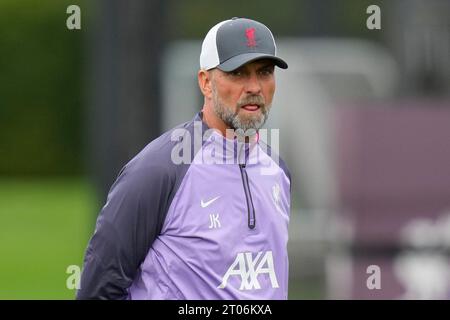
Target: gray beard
<point>243,126</point>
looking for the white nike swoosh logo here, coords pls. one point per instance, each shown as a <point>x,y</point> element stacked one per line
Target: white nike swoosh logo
<point>205,204</point>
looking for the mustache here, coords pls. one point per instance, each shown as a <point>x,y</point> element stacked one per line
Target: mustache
<point>253,99</point>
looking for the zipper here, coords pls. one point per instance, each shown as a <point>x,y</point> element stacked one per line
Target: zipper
<point>248,197</point>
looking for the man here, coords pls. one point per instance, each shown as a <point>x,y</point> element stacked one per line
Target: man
<point>190,219</point>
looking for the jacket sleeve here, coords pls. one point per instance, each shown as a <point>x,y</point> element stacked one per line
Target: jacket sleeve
<point>126,227</point>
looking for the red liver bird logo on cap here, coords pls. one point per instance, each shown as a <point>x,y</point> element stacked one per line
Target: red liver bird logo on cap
<point>250,34</point>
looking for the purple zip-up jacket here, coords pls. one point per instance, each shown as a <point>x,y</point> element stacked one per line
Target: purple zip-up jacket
<point>189,220</point>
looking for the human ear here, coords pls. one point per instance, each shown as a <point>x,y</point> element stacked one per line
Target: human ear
<point>204,82</point>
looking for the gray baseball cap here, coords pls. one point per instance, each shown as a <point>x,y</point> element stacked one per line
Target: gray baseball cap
<point>237,41</point>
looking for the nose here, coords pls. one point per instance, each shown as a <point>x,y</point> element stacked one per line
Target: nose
<point>253,86</point>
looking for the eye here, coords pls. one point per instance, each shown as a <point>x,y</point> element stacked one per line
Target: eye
<point>236,73</point>
<point>266,71</point>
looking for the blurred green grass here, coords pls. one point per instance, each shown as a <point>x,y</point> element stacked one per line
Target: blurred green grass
<point>44,228</point>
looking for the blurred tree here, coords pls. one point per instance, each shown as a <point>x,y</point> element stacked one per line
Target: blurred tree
<point>192,19</point>
<point>421,45</point>
<point>127,40</point>
<point>40,89</point>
